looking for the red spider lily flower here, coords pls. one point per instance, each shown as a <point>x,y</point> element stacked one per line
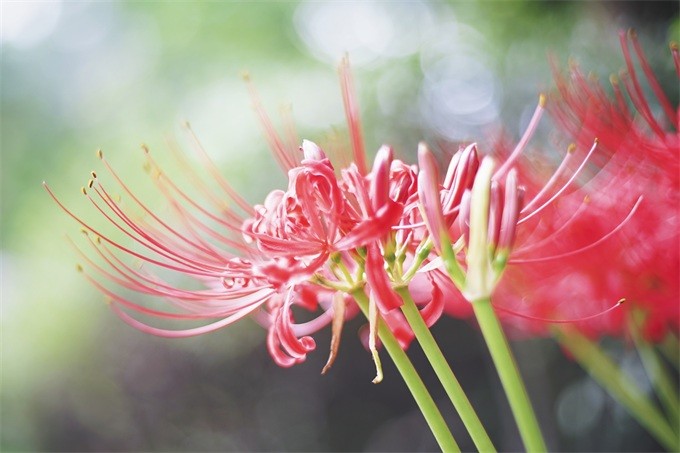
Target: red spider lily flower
<point>579,245</point>
<point>306,247</point>
<point>492,227</point>
<point>638,136</point>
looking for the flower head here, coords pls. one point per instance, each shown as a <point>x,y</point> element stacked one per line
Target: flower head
<point>306,247</point>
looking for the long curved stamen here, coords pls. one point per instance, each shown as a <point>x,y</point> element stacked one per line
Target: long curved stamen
<point>587,247</point>
<point>160,178</point>
<point>284,157</point>
<point>536,243</point>
<point>146,229</point>
<point>559,321</point>
<point>152,234</point>
<point>651,78</point>
<point>186,270</point>
<point>170,199</point>
<point>562,189</point>
<point>188,219</point>
<point>553,179</point>
<point>352,115</point>
<point>197,181</point>
<point>212,169</point>
<point>528,133</point>
<point>635,90</point>
<point>145,239</point>
<point>182,333</point>
<point>140,282</point>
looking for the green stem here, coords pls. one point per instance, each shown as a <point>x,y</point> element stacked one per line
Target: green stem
<point>448,379</point>
<point>619,386</point>
<point>658,375</point>
<point>670,348</point>
<point>509,374</point>
<point>413,382</point>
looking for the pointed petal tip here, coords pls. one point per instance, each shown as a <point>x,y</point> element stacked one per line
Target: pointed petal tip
<point>312,151</point>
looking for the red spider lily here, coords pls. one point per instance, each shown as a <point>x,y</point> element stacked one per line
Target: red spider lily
<point>639,137</point>
<point>307,247</point>
<point>492,227</point>
<point>574,255</point>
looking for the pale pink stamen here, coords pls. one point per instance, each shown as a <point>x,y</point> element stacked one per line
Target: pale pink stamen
<point>587,247</point>
<point>528,133</point>
<point>552,181</point>
<point>144,238</point>
<point>352,115</point>
<point>561,190</point>
<point>283,156</point>
<point>187,270</point>
<point>181,333</point>
<point>213,170</point>
<point>559,321</point>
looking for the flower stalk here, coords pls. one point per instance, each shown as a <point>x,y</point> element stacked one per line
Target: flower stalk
<point>511,379</point>
<point>656,370</point>
<point>445,374</point>
<point>618,385</point>
<point>413,381</point>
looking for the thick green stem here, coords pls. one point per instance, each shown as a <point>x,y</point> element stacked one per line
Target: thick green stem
<point>413,382</point>
<point>448,379</point>
<point>658,375</point>
<point>509,374</point>
<point>619,386</point>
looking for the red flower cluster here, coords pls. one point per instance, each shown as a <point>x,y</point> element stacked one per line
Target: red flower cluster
<point>332,233</point>
<point>308,247</point>
<point>638,155</point>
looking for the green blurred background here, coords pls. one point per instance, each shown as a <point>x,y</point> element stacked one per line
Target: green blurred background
<point>78,76</point>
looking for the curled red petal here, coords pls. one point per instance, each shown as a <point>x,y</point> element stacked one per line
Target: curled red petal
<point>386,298</point>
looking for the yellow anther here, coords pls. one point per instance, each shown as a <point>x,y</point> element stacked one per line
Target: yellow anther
<point>571,148</point>
<point>84,231</point>
<point>94,175</point>
<point>613,80</point>
<point>89,183</point>
<point>79,268</point>
<point>100,154</point>
<point>673,46</point>
<point>82,189</point>
<point>145,148</point>
<point>542,100</point>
